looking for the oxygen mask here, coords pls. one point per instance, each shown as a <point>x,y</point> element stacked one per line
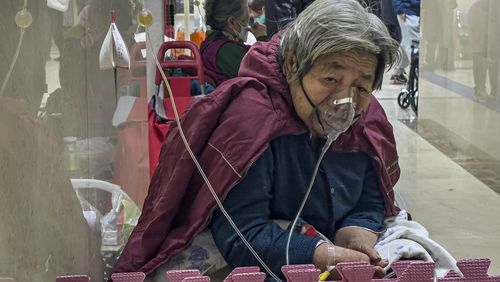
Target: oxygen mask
<point>334,115</point>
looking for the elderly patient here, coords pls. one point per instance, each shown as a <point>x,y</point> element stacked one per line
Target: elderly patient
<point>258,138</point>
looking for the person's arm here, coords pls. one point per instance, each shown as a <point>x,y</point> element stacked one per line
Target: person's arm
<point>248,203</point>
<point>360,229</point>
<point>322,257</point>
<point>359,239</point>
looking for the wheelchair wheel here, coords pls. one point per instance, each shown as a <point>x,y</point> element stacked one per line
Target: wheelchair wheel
<point>413,85</point>
<point>404,99</point>
<point>414,102</point>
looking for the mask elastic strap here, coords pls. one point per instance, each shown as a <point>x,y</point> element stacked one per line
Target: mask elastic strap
<point>312,104</point>
<point>307,96</point>
<point>242,27</point>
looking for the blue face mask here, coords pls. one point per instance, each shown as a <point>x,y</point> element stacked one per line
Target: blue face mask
<point>261,19</point>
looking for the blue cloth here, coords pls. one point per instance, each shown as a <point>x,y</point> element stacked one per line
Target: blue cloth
<point>409,7</point>
<point>346,193</point>
<point>195,85</point>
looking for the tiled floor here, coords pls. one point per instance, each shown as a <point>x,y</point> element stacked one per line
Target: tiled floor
<point>448,176</point>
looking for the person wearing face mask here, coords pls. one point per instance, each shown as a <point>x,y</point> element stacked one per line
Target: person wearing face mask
<point>257,11</point>
<point>224,47</point>
<point>258,138</point>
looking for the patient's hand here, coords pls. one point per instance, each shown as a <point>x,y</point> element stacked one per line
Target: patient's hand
<point>349,255</point>
<point>340,254</point>
<point>367,248</point>
<point>321,259</point>
<point>363,241</point>
<point>373,255</point>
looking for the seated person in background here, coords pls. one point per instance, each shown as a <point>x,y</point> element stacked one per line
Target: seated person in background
<point>258,138</point>
<point>224,48</point>
<point>257,10</point>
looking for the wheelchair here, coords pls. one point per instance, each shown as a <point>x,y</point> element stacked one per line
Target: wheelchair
<point>409,96</point>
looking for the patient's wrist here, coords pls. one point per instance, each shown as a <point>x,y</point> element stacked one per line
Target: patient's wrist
<point>320,258</point>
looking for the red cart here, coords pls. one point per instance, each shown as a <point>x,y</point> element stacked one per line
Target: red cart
<point>161,114</point>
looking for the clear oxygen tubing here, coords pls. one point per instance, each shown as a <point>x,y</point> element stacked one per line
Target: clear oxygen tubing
<point>16,55</point>
<point>325,148</point>
<point>198,166</point>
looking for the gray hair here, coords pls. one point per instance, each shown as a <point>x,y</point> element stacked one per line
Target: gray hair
<point>217,12</point>
<point>328,27</point>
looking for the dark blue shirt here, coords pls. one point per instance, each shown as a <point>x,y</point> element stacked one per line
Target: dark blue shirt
<point>346,192</point>
<point>409,7</point>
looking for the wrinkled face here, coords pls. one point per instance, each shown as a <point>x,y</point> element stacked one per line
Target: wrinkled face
<point>340,75</point>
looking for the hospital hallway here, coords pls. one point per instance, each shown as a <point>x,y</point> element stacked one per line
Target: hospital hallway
<point>450,163</point>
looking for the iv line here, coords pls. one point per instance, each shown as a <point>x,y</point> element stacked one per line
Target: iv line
<point>325,148</point>
<point>13,63</point>
<point>16,55</point>
<point>198,166</point>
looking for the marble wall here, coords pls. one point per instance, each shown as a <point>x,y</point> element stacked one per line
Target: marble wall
<point>459,65</point>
